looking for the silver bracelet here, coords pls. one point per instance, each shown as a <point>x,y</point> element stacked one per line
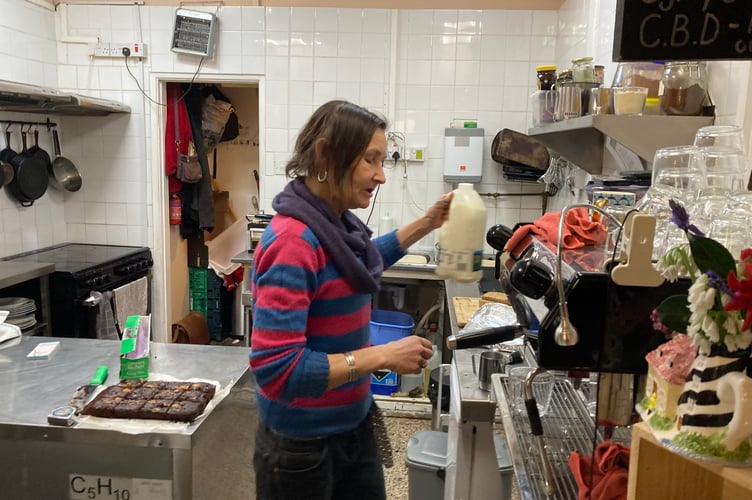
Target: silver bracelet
<point>350,360</point>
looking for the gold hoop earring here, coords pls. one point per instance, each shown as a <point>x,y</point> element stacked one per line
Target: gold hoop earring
<point>321,178</point>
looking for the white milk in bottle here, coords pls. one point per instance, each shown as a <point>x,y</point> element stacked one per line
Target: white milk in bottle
<point>461,237</point>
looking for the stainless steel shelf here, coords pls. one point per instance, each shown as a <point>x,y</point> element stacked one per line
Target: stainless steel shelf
<point>582,140</point>
<point>567,426</point>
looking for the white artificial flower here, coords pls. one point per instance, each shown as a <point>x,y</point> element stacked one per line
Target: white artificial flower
<point>676,263</point>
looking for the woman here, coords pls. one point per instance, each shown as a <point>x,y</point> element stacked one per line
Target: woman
<point>315,270</point>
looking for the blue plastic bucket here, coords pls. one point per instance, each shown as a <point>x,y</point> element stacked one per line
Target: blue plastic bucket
<point>388,326</point>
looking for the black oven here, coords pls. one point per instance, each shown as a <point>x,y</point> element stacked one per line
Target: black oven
<point>93,285</point>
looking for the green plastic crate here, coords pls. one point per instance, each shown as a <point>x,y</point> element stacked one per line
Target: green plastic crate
<point>204,297</point>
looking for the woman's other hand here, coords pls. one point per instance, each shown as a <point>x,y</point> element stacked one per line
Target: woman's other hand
<point>433,218</point>
<point>438,213</point>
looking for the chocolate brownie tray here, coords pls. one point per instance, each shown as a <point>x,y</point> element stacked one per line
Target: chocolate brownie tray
<point>152,400</point>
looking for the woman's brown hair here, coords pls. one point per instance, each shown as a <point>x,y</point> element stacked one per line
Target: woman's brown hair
<point>346,129</point>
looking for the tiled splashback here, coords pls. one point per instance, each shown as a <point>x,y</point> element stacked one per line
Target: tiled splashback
<point>420,68</point>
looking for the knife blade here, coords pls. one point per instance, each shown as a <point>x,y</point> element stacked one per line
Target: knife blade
<point>84,393</point>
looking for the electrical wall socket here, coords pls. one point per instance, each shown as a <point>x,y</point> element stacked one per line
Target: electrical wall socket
<point>101,49</point>
<point>393,147</point>
<point>115,49</point>
<point>415,153</point>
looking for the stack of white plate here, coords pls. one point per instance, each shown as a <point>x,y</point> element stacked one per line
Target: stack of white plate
<point>20,311</point>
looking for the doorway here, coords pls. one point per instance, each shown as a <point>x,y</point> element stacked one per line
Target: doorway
<point>235,168</point>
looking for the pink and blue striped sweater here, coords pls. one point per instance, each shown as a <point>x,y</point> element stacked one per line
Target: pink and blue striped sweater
<point>303,310</point>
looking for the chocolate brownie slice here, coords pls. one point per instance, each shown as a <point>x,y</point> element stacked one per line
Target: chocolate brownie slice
<point>102,406</point>
<point>185,411</point>
<point>128,408</point>
<point>155,409</point>
<point>142,393</point>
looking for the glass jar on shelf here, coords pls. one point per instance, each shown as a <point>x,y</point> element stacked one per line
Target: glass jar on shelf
<point>546,76</point>
<point>583,70</point>
<point>683,88</point>
<point>563,78</point>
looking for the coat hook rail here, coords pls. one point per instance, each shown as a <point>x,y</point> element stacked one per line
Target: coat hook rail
<point>46,123</point>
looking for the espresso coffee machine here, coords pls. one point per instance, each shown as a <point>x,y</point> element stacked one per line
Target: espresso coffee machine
<point>606,302</point>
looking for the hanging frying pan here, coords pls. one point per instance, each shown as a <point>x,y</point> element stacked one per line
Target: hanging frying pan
<point>30,178</point>
<point>64,173</point>
<point>38,152</point>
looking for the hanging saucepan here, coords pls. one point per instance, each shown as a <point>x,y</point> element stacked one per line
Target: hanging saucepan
<point>30,178</point>
<point>6,169</point>
<point>40,153</point>
<point>64,172</point>
<point>6,173</point>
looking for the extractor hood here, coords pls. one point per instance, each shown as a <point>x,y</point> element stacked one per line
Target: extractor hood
<point>26,98</point>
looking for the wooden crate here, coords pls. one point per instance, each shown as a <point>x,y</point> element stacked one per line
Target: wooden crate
<point>657,472</point>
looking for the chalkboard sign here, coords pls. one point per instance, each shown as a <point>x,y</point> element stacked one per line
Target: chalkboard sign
<point>666,30</point>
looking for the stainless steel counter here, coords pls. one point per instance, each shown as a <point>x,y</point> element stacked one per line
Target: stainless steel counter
<point>12,273</point>
<point>199,460</point>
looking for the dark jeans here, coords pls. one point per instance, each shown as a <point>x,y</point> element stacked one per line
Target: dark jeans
<point>341,467</point>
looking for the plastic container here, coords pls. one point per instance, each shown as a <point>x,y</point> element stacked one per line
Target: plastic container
<point>432,364</point>
<point>386,224</point>
<point>427,461</point>
<point>639,74</point>
<point>629,100</point>
<point>461,238</point>
<point>388,326</point>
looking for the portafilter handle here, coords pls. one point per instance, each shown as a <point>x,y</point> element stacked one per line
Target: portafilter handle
<point>485,336</point>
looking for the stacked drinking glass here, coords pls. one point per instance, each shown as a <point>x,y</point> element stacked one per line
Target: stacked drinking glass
<point>710,179</point>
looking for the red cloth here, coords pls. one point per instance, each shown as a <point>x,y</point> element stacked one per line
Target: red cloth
<point>579,231</point>
<point>605,475</point>
<point>233,279</point>
<point>184,130</point>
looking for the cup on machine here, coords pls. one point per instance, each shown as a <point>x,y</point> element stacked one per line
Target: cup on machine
<point>489,362</point>
<point>543,388</point>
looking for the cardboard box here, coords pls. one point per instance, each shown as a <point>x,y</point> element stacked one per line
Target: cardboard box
<point>134,348</point>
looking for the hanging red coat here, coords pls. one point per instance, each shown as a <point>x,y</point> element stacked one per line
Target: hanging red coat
<point>174,93</point>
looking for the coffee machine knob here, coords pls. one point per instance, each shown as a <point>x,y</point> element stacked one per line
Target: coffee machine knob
<point>531,278</point>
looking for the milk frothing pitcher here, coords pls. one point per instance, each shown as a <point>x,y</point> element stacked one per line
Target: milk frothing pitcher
<point>569,104</point>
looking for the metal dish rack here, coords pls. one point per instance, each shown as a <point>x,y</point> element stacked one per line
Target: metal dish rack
<point>567,426</point>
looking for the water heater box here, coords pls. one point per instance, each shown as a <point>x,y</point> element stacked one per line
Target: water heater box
<point>463,154</point>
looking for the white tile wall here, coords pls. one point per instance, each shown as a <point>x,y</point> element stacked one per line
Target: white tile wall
<point>420,68</point>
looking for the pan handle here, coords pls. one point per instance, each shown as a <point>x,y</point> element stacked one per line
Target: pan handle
<point>56,142</point>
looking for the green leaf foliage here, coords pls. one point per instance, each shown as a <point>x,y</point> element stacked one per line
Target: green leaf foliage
<point>709,255</point>
<point>674,312</point>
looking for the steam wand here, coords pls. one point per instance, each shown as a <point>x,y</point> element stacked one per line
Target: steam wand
<point>566,335</point>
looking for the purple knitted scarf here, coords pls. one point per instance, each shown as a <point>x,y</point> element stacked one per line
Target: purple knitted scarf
<point>346,240</point>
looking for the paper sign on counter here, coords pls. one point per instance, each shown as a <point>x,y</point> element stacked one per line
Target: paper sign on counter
<point>97,487</point>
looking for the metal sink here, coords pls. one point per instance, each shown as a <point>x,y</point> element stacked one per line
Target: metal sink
<point>416,260</point>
